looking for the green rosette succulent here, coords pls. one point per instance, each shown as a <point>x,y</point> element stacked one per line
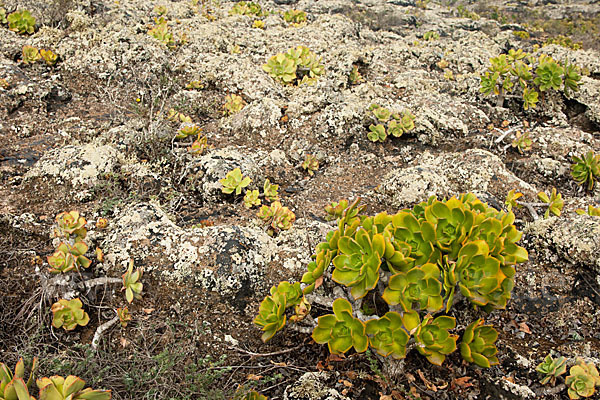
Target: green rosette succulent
<point>381,113</point>
<point>161,32</point>
<point>316,269</point>
<point>582,380</point>
<point>341,330</point>
<point>310,164</point>
<point>585,168</point>
<point>420,236</point>
<point>571,77</point>
<point>271,315</point>
<point>30,55</point>
<point>420,284</point>
<point>278,217</point>
<point>478,344</point>
<point>234,181</point>
<point>21,22</point>
<point>501,237</point>
<point>401,123</point>
<point>431,335</point>
<point>68,314</point>
<point>13,386</point>
<point>377,133</point>
<point>67,258</point>
<point>452,224</point>
<point>295,18</point>
<point>298,65</point>
<point>481,278</point>
<point>251,199</point>
<point>61,260</point>
<point>69,388</point>
<point>309,67</point>
<point>71,224</point>
<point>270,190</point>
<point>246,8</point>
<point>387,335</point>
<point>530,98</point>
<point>292,292</point>
<point>281,68</point>
<point>335,210</point>
<point>551,368</point>
<point>233,104</point>
<point>131,283</point>
<point>397,254</point>
<point>554,201</point>
<point>489,83</point>
<point>358,264</point>
<point>548,74</point>
<point>333,236</point>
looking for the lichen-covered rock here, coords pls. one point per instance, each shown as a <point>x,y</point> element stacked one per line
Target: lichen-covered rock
<point>231,260</point>
<point>575,238</point>
<point>449,174</point>
<point>78,167</point>
<point>314,386</point>
<point>206,171</point>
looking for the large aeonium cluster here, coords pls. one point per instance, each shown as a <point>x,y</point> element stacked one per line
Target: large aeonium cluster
<point>420,261</point>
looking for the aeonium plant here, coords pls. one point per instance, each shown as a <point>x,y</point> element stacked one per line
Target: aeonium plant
<point>420,261</point>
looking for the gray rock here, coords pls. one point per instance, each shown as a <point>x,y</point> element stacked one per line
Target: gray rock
<point>575,238</point>
<point>313,386</point>
<point>76,166</point>
<point>449,174</point>
<point>230,260</point>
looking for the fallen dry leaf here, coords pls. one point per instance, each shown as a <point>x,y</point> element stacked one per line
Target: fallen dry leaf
<point>279,364</point>
<point>345,383</point>
<point>335,357</point>
<point>429,385</point>
<point>413,392</point>
<point>253,377</point>
<point>524,328</point>
<point>462,382</point>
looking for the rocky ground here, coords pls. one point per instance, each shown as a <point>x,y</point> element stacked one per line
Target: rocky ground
<point>91,134</point>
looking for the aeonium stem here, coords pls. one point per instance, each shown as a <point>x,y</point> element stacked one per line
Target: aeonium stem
<point>101,329</point>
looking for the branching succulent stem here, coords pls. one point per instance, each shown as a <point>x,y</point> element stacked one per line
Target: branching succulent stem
<point>99,281</point>
<point>101,329</point>
<point>505,134</point>
<point>320,300</point>
<point>301,329</point>
<point>546,391</point>
<point>529,207</point>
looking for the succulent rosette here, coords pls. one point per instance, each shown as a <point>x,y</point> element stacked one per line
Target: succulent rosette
<point>341,330</point>
<point>388,336</point>
<point>431,335</point>
<point>358,264</point>
<point>582,380</point>
<point>478,344</point>
<point>420,284</point>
